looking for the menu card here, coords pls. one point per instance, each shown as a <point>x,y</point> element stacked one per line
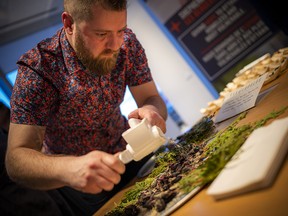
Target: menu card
<point>240,100</point>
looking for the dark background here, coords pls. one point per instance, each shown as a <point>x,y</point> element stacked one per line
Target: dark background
<point>274,13</point>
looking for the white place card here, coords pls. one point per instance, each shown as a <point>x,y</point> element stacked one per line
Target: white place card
<point>240,100</point>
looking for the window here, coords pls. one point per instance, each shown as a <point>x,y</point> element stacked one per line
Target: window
<point>11,77</point>
<point>3,98</point>
<point>128,103</point>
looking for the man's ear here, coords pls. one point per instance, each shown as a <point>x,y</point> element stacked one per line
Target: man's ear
<point>67,21</point>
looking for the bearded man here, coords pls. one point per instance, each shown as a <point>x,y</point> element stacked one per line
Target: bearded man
<point>66,124</point>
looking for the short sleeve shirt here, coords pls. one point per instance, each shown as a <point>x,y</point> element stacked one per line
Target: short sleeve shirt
<point>81,111</point>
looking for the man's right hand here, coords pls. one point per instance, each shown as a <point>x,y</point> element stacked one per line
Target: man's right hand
<point>94,172</point>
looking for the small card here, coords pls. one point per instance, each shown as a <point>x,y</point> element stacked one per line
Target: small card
<point>240,100</point>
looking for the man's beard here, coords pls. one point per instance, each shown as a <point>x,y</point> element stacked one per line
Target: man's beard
<point>100,65</point>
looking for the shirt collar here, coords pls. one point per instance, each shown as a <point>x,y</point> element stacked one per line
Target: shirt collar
<point>73,64</point>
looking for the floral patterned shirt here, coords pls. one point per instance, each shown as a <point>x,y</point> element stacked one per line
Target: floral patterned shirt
<point>81,112</point>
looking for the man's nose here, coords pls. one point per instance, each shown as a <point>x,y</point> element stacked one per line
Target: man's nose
<point>114,42</point>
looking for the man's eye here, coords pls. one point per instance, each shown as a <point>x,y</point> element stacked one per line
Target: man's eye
<point>120,33</point>
<point>101,35</point>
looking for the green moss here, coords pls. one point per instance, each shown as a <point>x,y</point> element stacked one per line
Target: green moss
<point>215,156</point>
<point>200,131</point>
<point>221,149</point>
<point>130,197</point>
<point>272,115</point>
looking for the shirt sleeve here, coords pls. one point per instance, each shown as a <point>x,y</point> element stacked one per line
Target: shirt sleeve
<point>32,98</point>
<point>138,71</point>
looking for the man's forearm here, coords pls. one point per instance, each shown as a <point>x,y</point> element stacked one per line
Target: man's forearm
<point>35,170</point>
<point>159,104</point>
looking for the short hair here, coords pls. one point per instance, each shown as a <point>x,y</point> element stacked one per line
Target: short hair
<point>80,10</point>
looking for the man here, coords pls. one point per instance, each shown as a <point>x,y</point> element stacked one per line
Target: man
<point>66,124</point>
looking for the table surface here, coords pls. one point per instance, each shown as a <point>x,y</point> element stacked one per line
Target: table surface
<point>271,201</point>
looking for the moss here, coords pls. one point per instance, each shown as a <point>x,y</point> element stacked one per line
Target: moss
<point>215,154</point>
<point>221,149</point>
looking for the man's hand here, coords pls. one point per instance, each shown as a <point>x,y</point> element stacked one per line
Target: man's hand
<point>94,172</point>
<point>151,115</point>
<point>151,105</point>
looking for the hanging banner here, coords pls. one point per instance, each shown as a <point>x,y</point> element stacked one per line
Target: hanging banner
<point>215,34</point>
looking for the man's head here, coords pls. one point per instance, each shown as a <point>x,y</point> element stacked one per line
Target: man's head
<point>95,30</point>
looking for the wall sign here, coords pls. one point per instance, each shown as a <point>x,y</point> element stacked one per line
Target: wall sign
<point>215,34</point>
